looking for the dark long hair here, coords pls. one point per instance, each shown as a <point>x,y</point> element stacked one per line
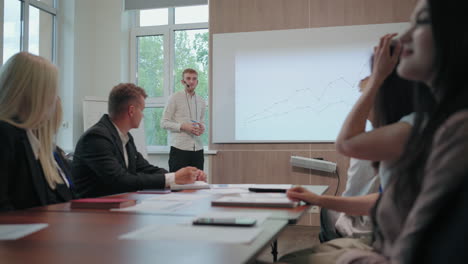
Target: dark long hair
<point>450,88</point>
<point>449,84</point>
<point>397,98</point>
<point>393,100</point>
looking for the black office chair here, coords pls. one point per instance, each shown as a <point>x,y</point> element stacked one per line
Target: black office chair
<point>328,220</point>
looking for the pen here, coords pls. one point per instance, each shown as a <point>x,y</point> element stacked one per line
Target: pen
<point>195,123</point>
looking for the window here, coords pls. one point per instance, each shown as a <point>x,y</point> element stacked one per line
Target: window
<point>41,33</point>
<point>151,64</point>
<point>154,17</point>
<point>11,28</point>
<point>191,14</point>
<point>165,43</point>
<point>28,25</point>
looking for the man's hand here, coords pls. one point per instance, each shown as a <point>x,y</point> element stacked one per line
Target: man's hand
<point>186,175</point>
<point>201,127</point>
<point>189,175</point>
<point>201,176</point>
<point>192,128</point>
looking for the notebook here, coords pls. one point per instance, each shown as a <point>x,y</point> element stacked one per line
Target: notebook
<point>256,200</point>
<point>279,188</point>
<point>102,203</point>
<point>194,186</point>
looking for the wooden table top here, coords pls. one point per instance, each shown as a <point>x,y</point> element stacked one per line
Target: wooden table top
<point>90,237</point>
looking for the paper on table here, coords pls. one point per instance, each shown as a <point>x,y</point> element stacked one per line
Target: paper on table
<point>256,199</point>
<point>155,207</point>
<point>194,186</point>
<point>228,186</point>
<point>224,191</point>
<point>16,231</point>
<point>238,235</point>
<point>259,216</point>
<point>177,197</point>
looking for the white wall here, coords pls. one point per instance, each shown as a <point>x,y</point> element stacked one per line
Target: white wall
<point>160,160</point>
<point>66,64</point>
<point>93,56</point>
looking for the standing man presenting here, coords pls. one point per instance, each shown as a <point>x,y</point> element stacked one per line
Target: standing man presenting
<point>183,117</point>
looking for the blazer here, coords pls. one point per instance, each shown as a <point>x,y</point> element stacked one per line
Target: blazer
<point>22,182</point>
<point>99,168</point>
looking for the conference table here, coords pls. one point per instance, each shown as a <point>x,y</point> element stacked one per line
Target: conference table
<point>94,235</point>
<point>292,215</point>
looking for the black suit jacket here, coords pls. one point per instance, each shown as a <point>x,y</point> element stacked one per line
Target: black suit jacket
<point>22,182</point>
<point>99,166</point>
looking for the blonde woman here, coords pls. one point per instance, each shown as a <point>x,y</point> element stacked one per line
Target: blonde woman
<point>64,164</point>
<point>29,173</point>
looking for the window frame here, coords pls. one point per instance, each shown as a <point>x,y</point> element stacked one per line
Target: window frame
<point>168,33</point>
<point>24,35</point>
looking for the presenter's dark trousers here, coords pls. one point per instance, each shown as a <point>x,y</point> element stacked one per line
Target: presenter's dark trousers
<point>182,158</point>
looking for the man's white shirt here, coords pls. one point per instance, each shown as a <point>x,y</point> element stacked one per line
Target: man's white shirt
<point>183,108</point>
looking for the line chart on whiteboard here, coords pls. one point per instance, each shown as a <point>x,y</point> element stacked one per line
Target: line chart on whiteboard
<point>295,94</point>
<point>315,105</point>
<point>294,85</point>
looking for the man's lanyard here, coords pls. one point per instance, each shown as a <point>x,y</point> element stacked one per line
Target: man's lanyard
<point>190,109</point>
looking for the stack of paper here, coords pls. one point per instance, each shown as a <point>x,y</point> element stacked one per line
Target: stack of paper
<point>256,200</point>
<point>194,186</point>
<point>261,217</point>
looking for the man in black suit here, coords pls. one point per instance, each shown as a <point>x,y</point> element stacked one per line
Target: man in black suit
<point>106,160</point>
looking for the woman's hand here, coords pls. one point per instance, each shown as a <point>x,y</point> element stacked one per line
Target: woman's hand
<point>384,60</point>
<point>301,194</point>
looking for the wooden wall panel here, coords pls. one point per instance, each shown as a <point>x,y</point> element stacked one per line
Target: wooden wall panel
<point>280,14</point>
<point>281,146</point>
<point>257,15</point>
<point>327,13</point>
<point>403,9</point>
<point>269,163</point>
<point>376,12</point>
<point>231,16</point>
<point>247,147</point>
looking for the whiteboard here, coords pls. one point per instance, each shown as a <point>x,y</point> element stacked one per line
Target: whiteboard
<point>95,107</point>
<point>289,85</point>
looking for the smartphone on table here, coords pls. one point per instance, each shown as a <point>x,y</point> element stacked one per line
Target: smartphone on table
<point>240,221</point>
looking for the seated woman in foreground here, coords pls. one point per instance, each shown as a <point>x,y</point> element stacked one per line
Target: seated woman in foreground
<point>29,175</point>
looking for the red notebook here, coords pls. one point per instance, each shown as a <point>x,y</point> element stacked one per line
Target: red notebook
<point>102,203</point>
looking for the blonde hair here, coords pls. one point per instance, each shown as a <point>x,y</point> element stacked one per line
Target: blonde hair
<point>56,120</point>
<point>28,96</point>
